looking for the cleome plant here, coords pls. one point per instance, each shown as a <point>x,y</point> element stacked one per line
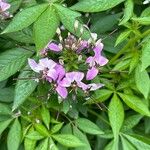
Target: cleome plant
<point>74,74</point>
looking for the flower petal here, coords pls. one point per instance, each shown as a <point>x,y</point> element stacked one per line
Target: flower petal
<point>101,61</point>
<point>92,73</point>
<point>62,91</point>
<point>33,65</point>
<point>65,83</point>
<point>94,86</point>
<point>54,47</point>
<point>82,85</point>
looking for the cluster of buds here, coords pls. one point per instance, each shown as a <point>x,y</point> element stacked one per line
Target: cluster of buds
<point>63,77</point>
<point>3,9</point>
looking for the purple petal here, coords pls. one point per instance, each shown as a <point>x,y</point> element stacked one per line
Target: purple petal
<point>4,6</point>
<point>78,76</point>
<point>65,82</point>
<point>83,45</point>
<point>82,85</point>
<point>47,63</point>
<point>60,72</point>
<point>52,74</point>
<point>33,65</point>
<point>102,61</point>
<point>92,73</point>
<point>54,47</point>
<point>91,61</point>
<point>62,91</point>
<point>94,86</point>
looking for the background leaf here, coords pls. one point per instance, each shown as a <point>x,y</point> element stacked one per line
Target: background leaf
<point>25,18</point>
<point>11,61</point>
<point>49,22</point>
<point>95,5</point>
<point>14,136</point>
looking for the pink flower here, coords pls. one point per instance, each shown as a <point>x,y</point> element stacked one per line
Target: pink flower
<point>96,60</point>
<point>73,79</point>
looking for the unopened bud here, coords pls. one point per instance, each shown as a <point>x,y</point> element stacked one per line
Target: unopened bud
<point>80,58</point>
<point>81,30</point>
<point>76,24</point>
<point>61,61</point>
<point>37,120</point>
<point>58,31</point>
<point>94,36</point>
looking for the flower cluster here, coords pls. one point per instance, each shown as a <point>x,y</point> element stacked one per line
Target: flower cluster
<point>3,9</point>
<point>73,69</point>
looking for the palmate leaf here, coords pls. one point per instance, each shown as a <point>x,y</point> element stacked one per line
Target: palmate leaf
<point>11,61</point>
<point>95,5</point>
<point>25,18</point>
<point>135,103</point>
<point>116,115</point>
<point>14,136</point>
<point>24,88</point>
<point>45,27</point>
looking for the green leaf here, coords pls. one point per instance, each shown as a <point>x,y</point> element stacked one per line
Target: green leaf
<point>145,55</point>
<point>134,61</point>
<point>24,88</point>
<point>29,144</point>
<point>43,145</point>
<point>123,36</point>
<point>135,103</point>
<point>91,127</point>
<point>23,36</point>
<point>146,12</point>
<point>45,116</point>
<point>7,94</point>
<point>100,96</point>
<point>128,12</point>
<point>126,144</point>
<point>68,18</point>
<point>68,140</point>
<point>116,116</point>
<point>4,125</point>
<point>25,18</point>
<point>95,5</point>
<point>11,61</point>
<point>52,144</point>
<point>56,128</point>
<point>130,122</point>
<point>4,109</point>
<point>42,129</point>
<point>45,28</point>
<point>138,143</point>
<point>34,135</point>
<point>142,81</point>
<point>14,136</point>
<point>103,23</point>
<point>83,138</point>
<point>122,65</point>
<point>142,20</point>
